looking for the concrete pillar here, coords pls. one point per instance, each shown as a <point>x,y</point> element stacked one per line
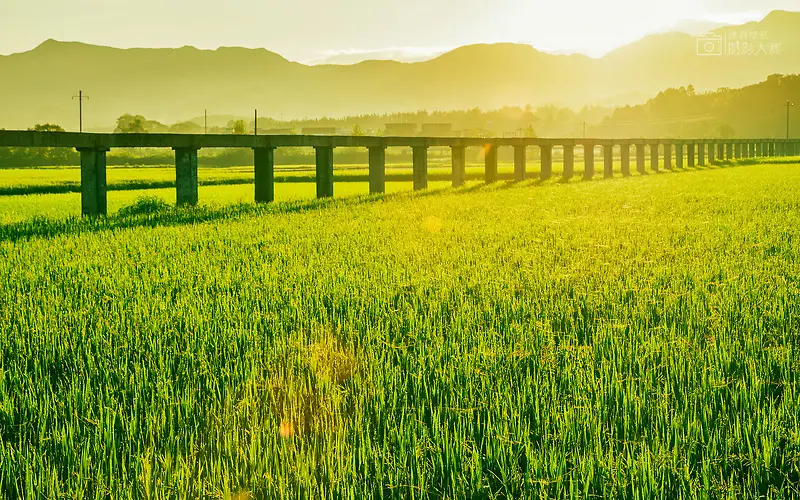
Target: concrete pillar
<point>264,166</point>
<point>737,150</point>
<point>750,151</point>
<point>459,155</point>
<point>654,156</point>
<point>520,160</point>
<point>640,167</point>
<point>608,161</point>
<point>625,159</point>
<point>588,161</point>
<point>770,148</point>
<point>186,176</point>
<point>729,151</point>
<point>94,195</point>
<point>667,156</point>
<point>420,167</point>
<point>701,153</point>
<point>324,171</point>
<point>547,161</point>
<point>678,155</point>
<point>779,147</point>
<point>569,161</point>
<point>377,170</point>
<point>720,151</point>
<point>761,150</point>
<point>690,154</point>
<point>490,163</point>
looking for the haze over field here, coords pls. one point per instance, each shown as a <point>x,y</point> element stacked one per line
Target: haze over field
<point>175,84</point>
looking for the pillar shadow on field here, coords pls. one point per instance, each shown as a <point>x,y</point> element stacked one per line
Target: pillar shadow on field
<point>163,215</point>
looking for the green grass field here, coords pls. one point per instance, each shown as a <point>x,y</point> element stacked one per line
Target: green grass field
<point>630,338</point>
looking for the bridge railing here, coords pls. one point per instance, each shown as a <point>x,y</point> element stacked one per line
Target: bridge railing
<point>93,149</point>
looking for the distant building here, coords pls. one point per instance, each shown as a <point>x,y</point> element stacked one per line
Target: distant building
<point>400,130</point>
<point>319,130</point>
<point>437,130</point>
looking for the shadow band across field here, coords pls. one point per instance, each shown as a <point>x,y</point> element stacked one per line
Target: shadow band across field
<point>170,215</point>
<point>41,227</point>
<point>75,187</point>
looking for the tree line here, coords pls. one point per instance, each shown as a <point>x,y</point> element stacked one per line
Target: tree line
<point>757,111</point>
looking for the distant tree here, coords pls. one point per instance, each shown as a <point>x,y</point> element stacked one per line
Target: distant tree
<point>185,128</point>
<point>47,127</point>
<point>239,127</point>
<point>357,131</point>
<point>130,124</point>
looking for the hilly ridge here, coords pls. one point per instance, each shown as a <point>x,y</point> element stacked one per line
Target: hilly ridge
<point>173,84</point>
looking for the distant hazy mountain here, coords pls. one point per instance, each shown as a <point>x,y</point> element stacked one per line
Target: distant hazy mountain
<point>171,84</point>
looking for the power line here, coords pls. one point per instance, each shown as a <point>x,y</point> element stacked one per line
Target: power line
<point>80,97</point>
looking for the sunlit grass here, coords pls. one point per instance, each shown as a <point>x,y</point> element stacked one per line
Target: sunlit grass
<point>635,338</point>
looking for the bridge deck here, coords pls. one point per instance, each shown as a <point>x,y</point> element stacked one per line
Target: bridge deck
<point>18,138</point>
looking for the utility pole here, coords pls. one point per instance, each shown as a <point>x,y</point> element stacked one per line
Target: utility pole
<point>80,97</point>
<point>788,105</point>
<point>205,121</point>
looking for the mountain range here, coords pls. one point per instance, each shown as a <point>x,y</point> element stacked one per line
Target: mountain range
<point>173,84</point>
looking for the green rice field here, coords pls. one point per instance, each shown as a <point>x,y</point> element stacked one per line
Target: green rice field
<point>627,338</point>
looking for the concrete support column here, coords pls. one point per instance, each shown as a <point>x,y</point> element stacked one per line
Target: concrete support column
<point>94,194</point>
<point>679,154</point>
<point>608,161</point>
<point>640,166</point>
<point>761,150</point>
<point>459,155</point>
<point>770,148</point>
<point>520,161</point>
<point>588,161</point>
<point>750,151</point>
<point>420,167</point>
<point>490,163</point>
<point>625,159</point>
<point>701,153</point>
<point>654,156</point>
<point>324,171</point>
<point>264,166</point>
<point>186,176</point>
<point>667,156</point>
<point>720,151</point>
<point>729,151</point>
<point>377,170</point>
<point>569,161</point>
<point>737,150</point>
<point>690,154</point>
<point>779,148</point>
<point>547,162</point>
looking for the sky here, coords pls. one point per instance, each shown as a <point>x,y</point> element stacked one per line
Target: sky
<point>315,31</point>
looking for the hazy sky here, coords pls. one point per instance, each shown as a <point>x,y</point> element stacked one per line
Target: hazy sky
<point>309,30</point>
